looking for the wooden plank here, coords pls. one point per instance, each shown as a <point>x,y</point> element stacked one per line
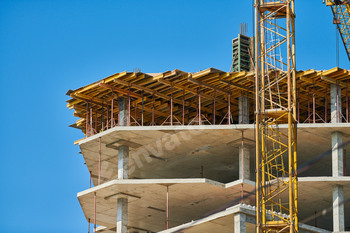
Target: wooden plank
<point>119,90</point>
<point>201,83</point>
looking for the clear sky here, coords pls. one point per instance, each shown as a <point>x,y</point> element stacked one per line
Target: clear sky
<point>50,46</point>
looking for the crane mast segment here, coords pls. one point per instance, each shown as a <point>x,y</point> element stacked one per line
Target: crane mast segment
<point>276,154</point>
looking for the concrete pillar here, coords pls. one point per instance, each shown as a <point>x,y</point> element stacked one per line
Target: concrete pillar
<point>244,155</point>
<point>338,209</point>
<point>338,194</point>
<point>122,203</point>
<point>243,106</point>
<point>122,215</point>
<point>123,111</point>
<point>240,223</point>
<point>335,104</point>
<point>337,154</point>
<point>123,162</point>
<point>244,162</point>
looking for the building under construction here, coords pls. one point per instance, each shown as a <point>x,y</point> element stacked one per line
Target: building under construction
<point>216,151</point>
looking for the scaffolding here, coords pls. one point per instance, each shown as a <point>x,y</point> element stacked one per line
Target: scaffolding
<point>276,153</point>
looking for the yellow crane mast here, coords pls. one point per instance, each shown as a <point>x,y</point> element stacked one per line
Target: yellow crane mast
<point>276,154</point>
<point>341,13</point>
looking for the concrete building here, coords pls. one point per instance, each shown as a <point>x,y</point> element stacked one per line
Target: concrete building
<point>174,151</point>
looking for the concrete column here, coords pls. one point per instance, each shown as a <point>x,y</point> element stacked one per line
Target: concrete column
<point>338,209</point>
<point>123,162</point>
<point>337,154</point>
<point>122,215</point>
<point>240,223</point>
<point>123,111</point>
<point>338,194</point>
<point>243,106</point>
<point>244,162</point>
<point>335,104</point>
<point>244,155</point>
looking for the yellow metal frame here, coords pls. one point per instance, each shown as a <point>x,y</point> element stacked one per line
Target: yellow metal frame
<point>276,150</point>
<point>341,15</point>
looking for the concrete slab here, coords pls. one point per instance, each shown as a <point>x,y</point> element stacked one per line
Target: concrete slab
<point>147,200</point>
<point>181,151</point>
<point>198,198</point>
<point>223,222</point>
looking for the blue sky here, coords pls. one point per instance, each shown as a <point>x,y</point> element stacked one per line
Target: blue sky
<point>48,47</point>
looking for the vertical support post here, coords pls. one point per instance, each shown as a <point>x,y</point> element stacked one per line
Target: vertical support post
<point>122,215</point>
<point>122,203</point>
<point>107,123</point>
<point>87,120</point>
<point>229,109</point>
<point>347,106</point>
<point>153,109</point>
<point>243,105</point>
<point>308,104</point>
<point>102,117</point>
<point>239,223</point>
<point>142,107</point>
<point>96,120</point>
<point>298,103</point>
<point>214,110</point>
<point>112,110</point>
<point>325,107</point>
<point>167,208</point>
<point>129,107</point>
<point>257,114</point>
<point>99,161</point>
<point>89,226</point>
<point>344,163</point>
<point>338,209</point>
<point>335,104</point>
<point>199,106</point>
<point>171,105</point>
<point>313,104</point>
<point>123,162</point>
<point>183,107</point>
<point>94,212</point>
<point>91,121</point>
<point>123,115</point>
<point>90,179</point>
<point>338,194</point>
<point>244,160</point>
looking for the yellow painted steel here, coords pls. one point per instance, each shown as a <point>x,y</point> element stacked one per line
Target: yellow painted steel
<point>341,13</point>
<point>276,149</point>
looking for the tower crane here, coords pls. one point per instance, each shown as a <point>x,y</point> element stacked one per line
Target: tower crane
<point>341,13</point>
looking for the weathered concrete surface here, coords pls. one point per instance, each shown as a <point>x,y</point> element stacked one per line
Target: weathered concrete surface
<point>122,215</point>
<point>123,162</point>
<point>147,200</point>
<point>243,110</point>
<point>335,103</point>
<point>180,151</point>
<point>197,198</point>
<point>222,222</point>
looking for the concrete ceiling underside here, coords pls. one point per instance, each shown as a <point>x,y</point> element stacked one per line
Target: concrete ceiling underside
<point>188,151</point>
<point>191,199</point>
